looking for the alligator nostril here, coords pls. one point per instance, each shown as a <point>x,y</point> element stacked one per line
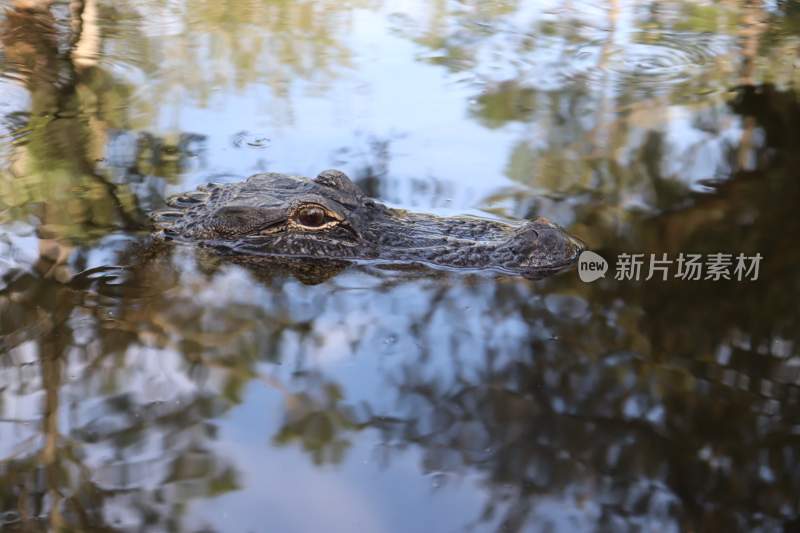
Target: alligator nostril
<point>527,231</point>
<point>544,222</point>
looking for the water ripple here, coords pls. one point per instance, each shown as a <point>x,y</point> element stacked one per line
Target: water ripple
<point>669,59</point>
<point>244,139</point>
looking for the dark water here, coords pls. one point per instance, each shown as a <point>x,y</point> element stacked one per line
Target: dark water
<point>159,391</point>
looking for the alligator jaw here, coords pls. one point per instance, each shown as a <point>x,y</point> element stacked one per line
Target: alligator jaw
<point>531,249</point>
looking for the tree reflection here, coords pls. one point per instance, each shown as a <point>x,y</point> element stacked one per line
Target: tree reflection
<point>52,479</point>
<point>650,406</point>
<point>259,43</point>
<point>662,403</point>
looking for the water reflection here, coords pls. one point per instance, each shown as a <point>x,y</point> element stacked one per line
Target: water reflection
<point>159,389</point>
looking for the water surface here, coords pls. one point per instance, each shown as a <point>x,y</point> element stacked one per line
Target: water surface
<point>157,390</point>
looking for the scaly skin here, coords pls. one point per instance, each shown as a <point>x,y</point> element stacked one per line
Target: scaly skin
<point>328,217</point>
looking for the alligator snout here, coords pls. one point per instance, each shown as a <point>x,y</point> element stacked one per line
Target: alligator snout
<point>540,244</point>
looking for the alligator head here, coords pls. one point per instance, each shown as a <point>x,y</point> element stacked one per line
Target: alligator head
<point>328,217</point>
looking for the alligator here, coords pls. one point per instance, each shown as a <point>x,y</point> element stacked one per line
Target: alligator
<point>330,218</point>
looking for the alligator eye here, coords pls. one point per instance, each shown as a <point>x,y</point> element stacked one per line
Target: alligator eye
<point>312,217</point>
